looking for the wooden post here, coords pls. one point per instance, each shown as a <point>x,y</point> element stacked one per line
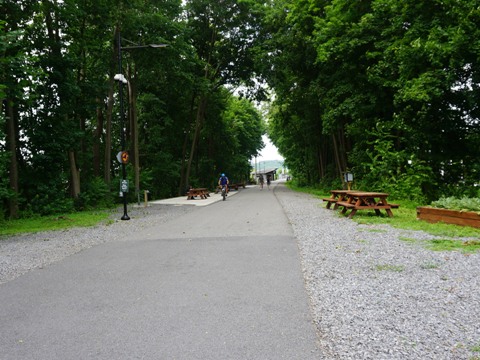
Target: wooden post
<point>146,197</point>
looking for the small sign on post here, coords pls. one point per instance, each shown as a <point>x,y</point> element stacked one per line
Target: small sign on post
<point>124,186</point>
<point>348,177</point>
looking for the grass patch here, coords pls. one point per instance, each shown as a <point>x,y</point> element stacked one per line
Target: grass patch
<point>388,267</point>
<point>429,266</point>
<point>476,348</point>
<point>375,230</point>
<point>454,245</point>
<point>470,246</point>
<point>408,240</point>
<point>56,222</point>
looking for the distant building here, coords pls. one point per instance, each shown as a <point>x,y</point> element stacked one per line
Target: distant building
<point>272,172</point>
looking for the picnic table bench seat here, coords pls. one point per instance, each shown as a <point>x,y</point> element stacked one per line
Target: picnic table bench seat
<point>337,196</point>
<point>345,204</point>
<point>329,199</point>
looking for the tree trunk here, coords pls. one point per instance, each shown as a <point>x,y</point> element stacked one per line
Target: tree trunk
<point>135,156</point>
<point>107,165</point>
<point>340,152</point>
<point>182,186</point>
<point>75,174</point>
<point>53,31</point>
<point>343,148</point>
<point>198,127</point>
<point>338,162</point>
<point>11,140</point>
<point>320,166</point>
<point>97,135</point>
<point>183,181</point>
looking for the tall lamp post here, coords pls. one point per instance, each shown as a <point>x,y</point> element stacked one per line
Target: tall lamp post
<point>123,155</point>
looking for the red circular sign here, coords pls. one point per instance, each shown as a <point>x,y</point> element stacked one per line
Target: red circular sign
<point>124,157</point>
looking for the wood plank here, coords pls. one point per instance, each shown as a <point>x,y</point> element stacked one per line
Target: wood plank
<point>462,218</point>
<point>345,204</point>
<point>373,207</point>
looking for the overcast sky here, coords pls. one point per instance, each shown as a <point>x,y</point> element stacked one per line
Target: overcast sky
<point>269,152</point>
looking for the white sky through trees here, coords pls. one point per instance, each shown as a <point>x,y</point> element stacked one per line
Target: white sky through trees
<point>269,152</point>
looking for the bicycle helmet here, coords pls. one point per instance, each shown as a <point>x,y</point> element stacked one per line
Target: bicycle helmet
<point>223,174</point>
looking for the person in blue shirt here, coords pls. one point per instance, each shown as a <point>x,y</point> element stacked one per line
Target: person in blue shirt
<point>223,181</point>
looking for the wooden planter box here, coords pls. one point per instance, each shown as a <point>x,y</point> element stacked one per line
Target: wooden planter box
<point>463,218</point>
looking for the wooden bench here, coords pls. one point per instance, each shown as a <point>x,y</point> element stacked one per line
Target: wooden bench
<point>201,192</point>
<point>345,204</point>
<point>330,201</point>
<point>337,195</point>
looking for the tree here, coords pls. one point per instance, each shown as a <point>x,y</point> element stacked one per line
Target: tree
<point>14,71</point>
<point>222,34</point>
<point>405,65</point>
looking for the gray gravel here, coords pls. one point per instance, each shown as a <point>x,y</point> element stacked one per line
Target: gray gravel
<point>372,294</point>
<point>376,296</point>
<point>19,254</point>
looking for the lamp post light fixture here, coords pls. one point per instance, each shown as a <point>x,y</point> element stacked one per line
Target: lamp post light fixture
<point>123,81</point>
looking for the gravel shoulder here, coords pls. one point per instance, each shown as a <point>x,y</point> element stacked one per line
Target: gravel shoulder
<point>372,294</point>
<point>376,296</point>
<point>22,253</point>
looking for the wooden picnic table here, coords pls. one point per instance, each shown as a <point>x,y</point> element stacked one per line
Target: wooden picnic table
<point>361,200</point>
<point>337,195</point>
<point>201,192</point>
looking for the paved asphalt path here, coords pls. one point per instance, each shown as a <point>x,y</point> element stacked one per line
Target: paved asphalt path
<point>222,282</point>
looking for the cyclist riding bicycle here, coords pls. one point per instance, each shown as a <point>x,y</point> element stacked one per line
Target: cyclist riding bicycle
<point>223,181</point>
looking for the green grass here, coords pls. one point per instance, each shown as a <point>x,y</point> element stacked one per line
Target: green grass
<point>468,246</point>
<point>375,230</point>
<point>388,267</point>
<point>54,222</point>
<point>405,217</point>
<point>408,240</point>
<point>428,266</point>
<point>457,245</point>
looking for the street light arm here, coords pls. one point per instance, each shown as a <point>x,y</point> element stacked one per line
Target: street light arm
<point>155,46</point>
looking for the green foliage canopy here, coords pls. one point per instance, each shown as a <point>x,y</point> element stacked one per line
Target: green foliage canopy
<point>390,83</point>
